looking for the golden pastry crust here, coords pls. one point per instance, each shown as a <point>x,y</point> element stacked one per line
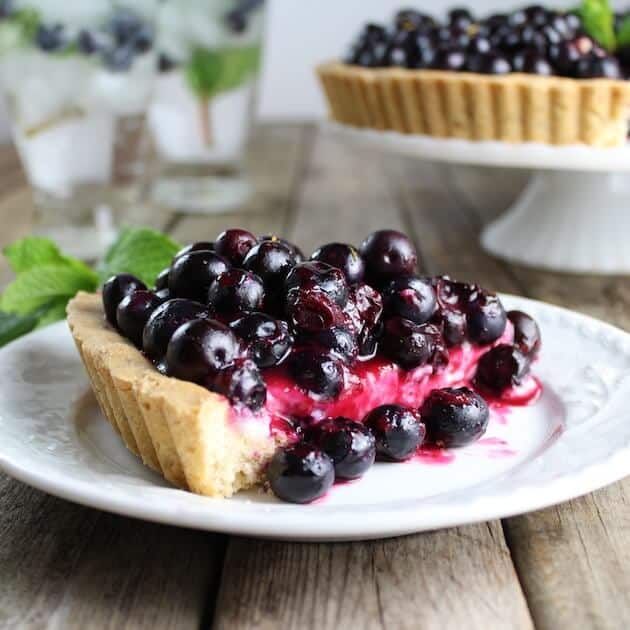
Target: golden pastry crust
<point>510,108</point>
<point>181,430</point>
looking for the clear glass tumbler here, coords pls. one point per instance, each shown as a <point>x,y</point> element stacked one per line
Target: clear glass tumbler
<point>202,109</point>
<point>77,77</point>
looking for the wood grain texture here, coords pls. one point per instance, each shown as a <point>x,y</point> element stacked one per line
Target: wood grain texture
<point>572,559</point>
<point>462,577</point>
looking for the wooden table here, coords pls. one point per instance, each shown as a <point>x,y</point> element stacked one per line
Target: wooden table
<point>66,566</point>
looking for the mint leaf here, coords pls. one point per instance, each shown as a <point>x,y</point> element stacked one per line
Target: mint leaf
<point>36,287</point>
<point>598,22</point>
<point>210,72</point>
<point>623,33</point>
<point>13,326</point>
<point>141,252</point>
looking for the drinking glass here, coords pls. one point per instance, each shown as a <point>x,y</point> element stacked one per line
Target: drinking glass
<point>202,110</point>
<point>77,77</point>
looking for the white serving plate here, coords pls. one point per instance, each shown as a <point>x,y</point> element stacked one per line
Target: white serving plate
<point>574,440</point>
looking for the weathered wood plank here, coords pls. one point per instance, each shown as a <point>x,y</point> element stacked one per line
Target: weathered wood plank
<point>456,578</point>
<point>573,559</point>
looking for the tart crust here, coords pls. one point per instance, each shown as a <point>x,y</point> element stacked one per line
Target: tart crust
<point>181,430</point>
<point>510,108</point>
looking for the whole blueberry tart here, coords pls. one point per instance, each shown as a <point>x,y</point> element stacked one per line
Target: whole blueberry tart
<point>248,363</point>
<point>534,75</point>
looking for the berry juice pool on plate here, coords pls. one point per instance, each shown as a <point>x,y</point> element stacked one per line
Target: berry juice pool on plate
<point>77,78</point>
<point>200,116</point>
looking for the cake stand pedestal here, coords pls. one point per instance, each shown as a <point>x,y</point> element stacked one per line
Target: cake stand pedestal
<point>574,214</point>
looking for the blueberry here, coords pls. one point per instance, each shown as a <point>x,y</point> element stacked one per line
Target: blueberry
<point>90,42</point>
<point>200,349</point>
<point>300,474</point>
<point>133,312</point>
<point>501,367</point>
<point>365,307</point>
<point>234,245</point>
<point>486,319</point>
<point>199,246</point>
<point>339,341</point>
<point>564,57</point>
<point>412,20</point>
<point>409,345</point>
<point>161,282</point>
<point>410,297</point>
<point>388,254</point>
<point>454,327</point>
<point>163,323</point>
<point>479,45</point>
<point>319,276</point>
<point>526,333</point>
<point>398,431</point>
<point>236,21</point>
<point>453,294</point>
<point>312,310</point>
<point>344,257</point>
<point>532,62</point>
<point>236,291</point>
<point>318,372</point>
<point>115,289</point>
<point>51,38</point>
<point>143,39</point>
<point>452,60</point>
<point>460,17</point>
<point>192,274</point>
<point>491,63</point>
<point>124,25</point>
<point>298,254</point>
<point>271,261</point>
<point>242,384</point>
<point>454,417</point>
<point>268,340</point>
<point>349,444</point>
<point>166,63</point>
<point>595,67</point>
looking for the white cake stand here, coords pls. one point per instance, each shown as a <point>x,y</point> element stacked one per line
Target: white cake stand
<point>574,214</point>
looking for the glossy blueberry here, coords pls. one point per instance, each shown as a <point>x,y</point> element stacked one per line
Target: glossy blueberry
<point>349,444</point>
<point>236,21</point>
<point>407,344</point>
<point>300,473</point>
<point>367,307</point>
<point>311,309</point>
<point>166,63</point>
<point>526,333</point>
<point>124,25</point>
<point>532,62</point>
<point>490,63</point>
<point>236,291</point>
<point>119,59</point>
<point>271,261</point>
<point>411,20</point>
<point>339,341</point>
<point>90,42</point>
<point>486,319</point>
<point>398,431</point>
<point>161,282</point>
<point>344,257</point>
<point>200,349</point>
<point>242,384</point>
<point>163,323</point>
<point>192,274</point>
<point>452,60</point>
<point>234,245</point>
<point>454,417</point>
<point>410,297</point>
<point>388,254</point>
<point>51,38</point>
<point>595,67</point>
<point>318,372</point>
<point>115,289</point>
<point>479,45</point>
<point>453,294</point>
<point>298,254</point>
<point>133,312</point>
<point>199,246</point>
<point>143,39</point>
<point>501,367</point>
<point>460,17</point>
<point>268,340</point>
<point>320,276</point>
<point>564,57</point>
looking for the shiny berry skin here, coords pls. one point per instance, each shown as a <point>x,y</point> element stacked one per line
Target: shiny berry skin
<point>115,289</point>
<point>479,45</point>
<point>163,323</point>
<point>490,63</point>
<point>320,276</point>
<point>242,384</point>
<point>453,294</point>
<point>410,297</point>
<point>234,245</point>
<point>411,20</point>
<point>454,417</point>
<point>268,340</point>
<point>533,62</point>
<point>407,344</point>
<point>51,38</point>
<point>298,254</point>
<point>349,444</point>
<point>595,67</point>
<point>161,282</point>
<point>454,327</point>
<point>447,59</point>
<point>300,473</point>
<point>318,372</point>
<point>501,367</point>
<point>192,274</point>
<point>564,57</point>
<point>460,17</point>
<point>367,308</point>
<point>339,341</point>
<point>526,333</point>
<point>200,349</point>
<point>199,246</point>
<point>486,319</point>
<point>398,431</point>
<point>313,310</point>
<point>388,254</point>
<point>271,261</point>
<point>236,291</point>
<point>133,312</point>
<point>344,257</point>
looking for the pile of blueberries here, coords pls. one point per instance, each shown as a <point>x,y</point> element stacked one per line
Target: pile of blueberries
<point>124,36</point>
<point>227,310</point>
<point>534,40</point>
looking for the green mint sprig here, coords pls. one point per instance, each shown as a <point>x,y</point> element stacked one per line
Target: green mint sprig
<point>46,279</point>
<point>623,33</point>
<point>598,20</point>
